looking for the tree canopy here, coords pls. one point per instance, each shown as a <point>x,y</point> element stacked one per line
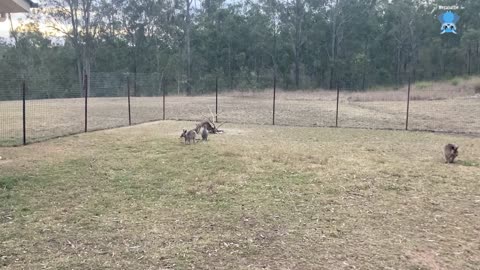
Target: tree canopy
<point>188,44</point>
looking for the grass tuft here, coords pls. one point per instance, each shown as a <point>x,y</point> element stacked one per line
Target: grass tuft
<point>9,182</point>
<point>455,81</point>
<point>469,163</point>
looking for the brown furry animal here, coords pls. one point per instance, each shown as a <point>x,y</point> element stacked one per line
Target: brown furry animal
<point>189,136</point>
<point>450,152</point>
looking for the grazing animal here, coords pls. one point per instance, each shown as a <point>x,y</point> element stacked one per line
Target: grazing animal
<point>204,134</point>
<point>450,152</point>
<point>189,136</point>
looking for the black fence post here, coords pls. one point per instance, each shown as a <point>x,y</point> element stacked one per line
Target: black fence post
<point>24,109</point>
<point>164,101</point>
<point>274,95</point>
<point>129,108</point>
<point>216,99</point>
<point>338,98</point>
<point>408,103</point>
<point>85,89</point>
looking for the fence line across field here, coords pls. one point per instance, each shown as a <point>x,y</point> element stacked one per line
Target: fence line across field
<point>108,101</point>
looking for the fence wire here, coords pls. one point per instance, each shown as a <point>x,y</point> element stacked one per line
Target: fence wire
<point>54,108</point>
<point>380,109</point>
<point>306,108</point>
<point>439,107</point>
<point>107,101</point>
<point>57,106</point>
<point>146,99</point>
<point>10,111</point>
<point>250,102</point>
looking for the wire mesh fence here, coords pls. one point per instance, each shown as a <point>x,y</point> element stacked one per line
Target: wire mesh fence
<point>373,110</point>
<point>146,100</point>
<point>439,107</point>
<point>11,111</point>
<point>107,101</point>
<point>306,108</point>
<point>60,106</point>
<point>53,108</point>
<point>247,102</point>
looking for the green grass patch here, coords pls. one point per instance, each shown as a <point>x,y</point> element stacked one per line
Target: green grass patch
<point>9,182</point>
<point>469,163</point>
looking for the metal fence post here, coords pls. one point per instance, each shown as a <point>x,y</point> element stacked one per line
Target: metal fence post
<point>129,108</point>
<point>338,98</point>
<point>24,117</point>
<point>274,95</point>
<point>216,99</point>
<point>85,88</point>
<point>408,104</point>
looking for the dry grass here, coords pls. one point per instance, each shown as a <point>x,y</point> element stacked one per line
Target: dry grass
<point>437,106</point>
<point>256,197</point>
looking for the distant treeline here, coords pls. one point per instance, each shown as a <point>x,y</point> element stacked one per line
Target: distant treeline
<point>186,46</point>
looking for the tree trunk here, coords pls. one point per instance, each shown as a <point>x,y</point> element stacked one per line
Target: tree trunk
<point>230,72</point>
<point>399,67</point>
<point>73,13</point>
<point>88,40</point>
<point>80,75</point>
<point>476,57</point>
<point>274,57</point>
<point>188,48</point>
<point>135,79</point>
<point>469,60</point>
<point>179,78</point>
<point>333,49</point>
<point>12,30</point>
<point>298,40</point>
<point>257,72</point>
<point>332,67</point>
<point>88,73</point>
<point>365,65</point>
<point>297,69</point>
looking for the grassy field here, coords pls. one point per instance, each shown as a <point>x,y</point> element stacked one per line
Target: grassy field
<point>256,197</point>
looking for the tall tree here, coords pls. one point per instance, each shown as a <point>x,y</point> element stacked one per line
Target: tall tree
<point>74,18</point>
<point>188,51</point>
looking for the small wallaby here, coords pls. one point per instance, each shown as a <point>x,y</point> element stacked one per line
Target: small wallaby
<point>189,136</point>
<point>451,152</point>
<point>204,134</point>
